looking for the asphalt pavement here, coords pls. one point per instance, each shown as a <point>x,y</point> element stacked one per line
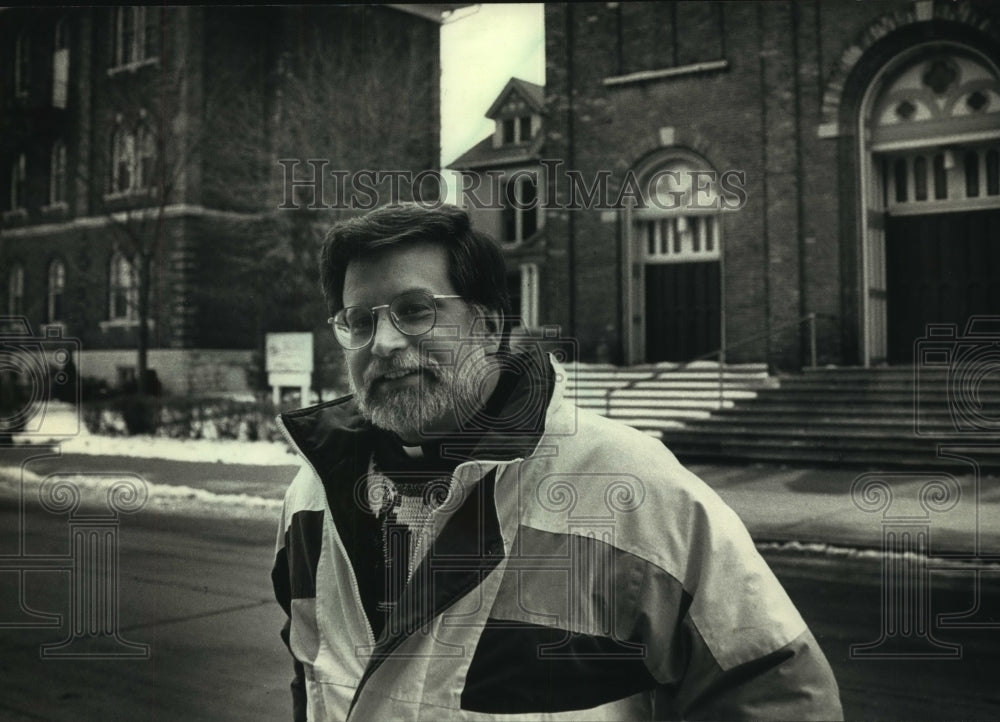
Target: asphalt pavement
<point>843,507</point>
<point>194,589</point>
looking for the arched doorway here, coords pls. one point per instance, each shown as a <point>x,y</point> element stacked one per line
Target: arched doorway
<point>931,241</point>
<point>673,270</point>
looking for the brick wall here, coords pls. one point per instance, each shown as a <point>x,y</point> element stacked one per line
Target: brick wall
<point>792,71</point>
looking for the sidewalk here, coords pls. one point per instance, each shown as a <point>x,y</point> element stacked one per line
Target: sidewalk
<point>777,503</point>
<point>817,506</point>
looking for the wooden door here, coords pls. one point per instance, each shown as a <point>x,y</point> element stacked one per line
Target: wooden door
<point>682,310</point>
<point>940,268</point>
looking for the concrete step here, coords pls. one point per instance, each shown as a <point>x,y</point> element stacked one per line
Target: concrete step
<point>812,397</point>
<point>829,424</point>
<point>686,438</point>
<point>893,416</point>
<point>655,386</point>
<point>795,431</point>
<point>651,415</point>
<point>877,457</point>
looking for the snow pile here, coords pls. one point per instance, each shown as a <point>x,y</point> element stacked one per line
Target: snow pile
<point>61,424</point>
<point>225,451</point>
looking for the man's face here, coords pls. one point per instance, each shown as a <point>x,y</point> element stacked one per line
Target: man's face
<point>416,386</point>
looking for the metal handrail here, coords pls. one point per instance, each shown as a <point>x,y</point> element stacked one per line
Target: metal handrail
<point>720,354</point>
<point>810,317</point>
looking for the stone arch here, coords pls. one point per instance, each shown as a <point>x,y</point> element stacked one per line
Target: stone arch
<point>672,242</point>
<point>837,113</point>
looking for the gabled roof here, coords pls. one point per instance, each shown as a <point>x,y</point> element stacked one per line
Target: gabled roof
<point>532,93</point>
<point>484,155</point>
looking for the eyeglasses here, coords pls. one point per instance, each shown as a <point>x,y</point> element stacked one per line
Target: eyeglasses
<point>413,313</point>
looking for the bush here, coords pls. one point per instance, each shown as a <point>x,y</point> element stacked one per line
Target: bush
<point>183,418</point>
<point>15,400</point>
<point>141,414</point>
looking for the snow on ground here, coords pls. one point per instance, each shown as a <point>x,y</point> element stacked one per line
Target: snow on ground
<point>61,424</point>
<point>226,451</point>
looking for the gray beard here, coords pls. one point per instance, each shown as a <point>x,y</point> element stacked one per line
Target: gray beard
<point>445,397</point>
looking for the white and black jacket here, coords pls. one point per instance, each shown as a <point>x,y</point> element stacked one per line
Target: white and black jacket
<point>577,572</point>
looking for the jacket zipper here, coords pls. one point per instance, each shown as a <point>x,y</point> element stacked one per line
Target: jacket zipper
<point>336,534</point>
<point>429,525</point>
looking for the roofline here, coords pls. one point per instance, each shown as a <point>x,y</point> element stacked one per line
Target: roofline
<point>511,84</point>
<point>427,12</point>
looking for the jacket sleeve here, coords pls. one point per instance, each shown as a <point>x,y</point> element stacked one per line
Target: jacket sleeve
<point>794,682</point>
<point>724,641</point>
<point>282,592</point>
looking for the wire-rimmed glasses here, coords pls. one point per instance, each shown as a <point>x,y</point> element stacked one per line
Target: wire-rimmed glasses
<point>413,313</point>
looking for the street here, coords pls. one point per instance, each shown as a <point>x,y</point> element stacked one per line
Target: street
<point>195,588</point>
<point>196,591</point>
<point>841,600</point>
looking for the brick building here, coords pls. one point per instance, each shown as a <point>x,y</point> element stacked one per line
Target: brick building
<point>765,161</point>
<point>153,132</point>
<point>501,191</point>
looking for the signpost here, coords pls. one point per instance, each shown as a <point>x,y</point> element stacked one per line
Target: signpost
<point>289,363</point>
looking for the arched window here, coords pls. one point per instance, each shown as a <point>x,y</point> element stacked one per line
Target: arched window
<point>680,222</point>
<point>57,288</point>
<point>137,35</point>
<point>60,64</point>
<point>133,155</point>
<point>57,173</point>
<point>22,64</point>
<point>15,290</point>
<point>673,258</point>
<point>123,290</point>
<point>18,176</point>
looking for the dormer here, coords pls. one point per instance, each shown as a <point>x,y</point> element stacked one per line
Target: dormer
<point>517,113</point>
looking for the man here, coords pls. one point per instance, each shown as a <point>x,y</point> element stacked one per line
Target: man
<point>463,542</point>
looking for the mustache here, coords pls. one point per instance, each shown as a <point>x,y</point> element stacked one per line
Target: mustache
<point>406,362</point>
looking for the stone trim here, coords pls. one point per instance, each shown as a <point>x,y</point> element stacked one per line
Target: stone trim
<point>830,125</point>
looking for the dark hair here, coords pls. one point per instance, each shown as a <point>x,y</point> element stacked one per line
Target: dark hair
<point>475,264</point>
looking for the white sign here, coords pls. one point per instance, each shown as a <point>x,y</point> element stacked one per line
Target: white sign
<point>289,353</point>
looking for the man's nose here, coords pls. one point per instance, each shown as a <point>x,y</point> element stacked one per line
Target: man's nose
<point>388,339</point>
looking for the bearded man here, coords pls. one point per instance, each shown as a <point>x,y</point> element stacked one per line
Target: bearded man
<point>463,542</point>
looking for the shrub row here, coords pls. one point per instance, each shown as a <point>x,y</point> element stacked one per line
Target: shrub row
<point>183,418</point>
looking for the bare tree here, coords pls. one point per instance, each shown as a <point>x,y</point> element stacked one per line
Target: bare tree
<point>364,101</point>
<point>152,147</point>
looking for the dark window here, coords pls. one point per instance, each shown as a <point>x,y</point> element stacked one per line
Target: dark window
<point>971,174</point>
<point>920,178</point>
<point>529,216</point>
<point>15,291</point>
<point>899,171</point>
<point>57,173</point>
<point>508,130</point>
<point>652,36</point>
<point>18,176</point>
<point>525,128</point>
<point>992,173</point>
<point>136,33</point>
<point>22,64</point>
<point>940,179</point>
